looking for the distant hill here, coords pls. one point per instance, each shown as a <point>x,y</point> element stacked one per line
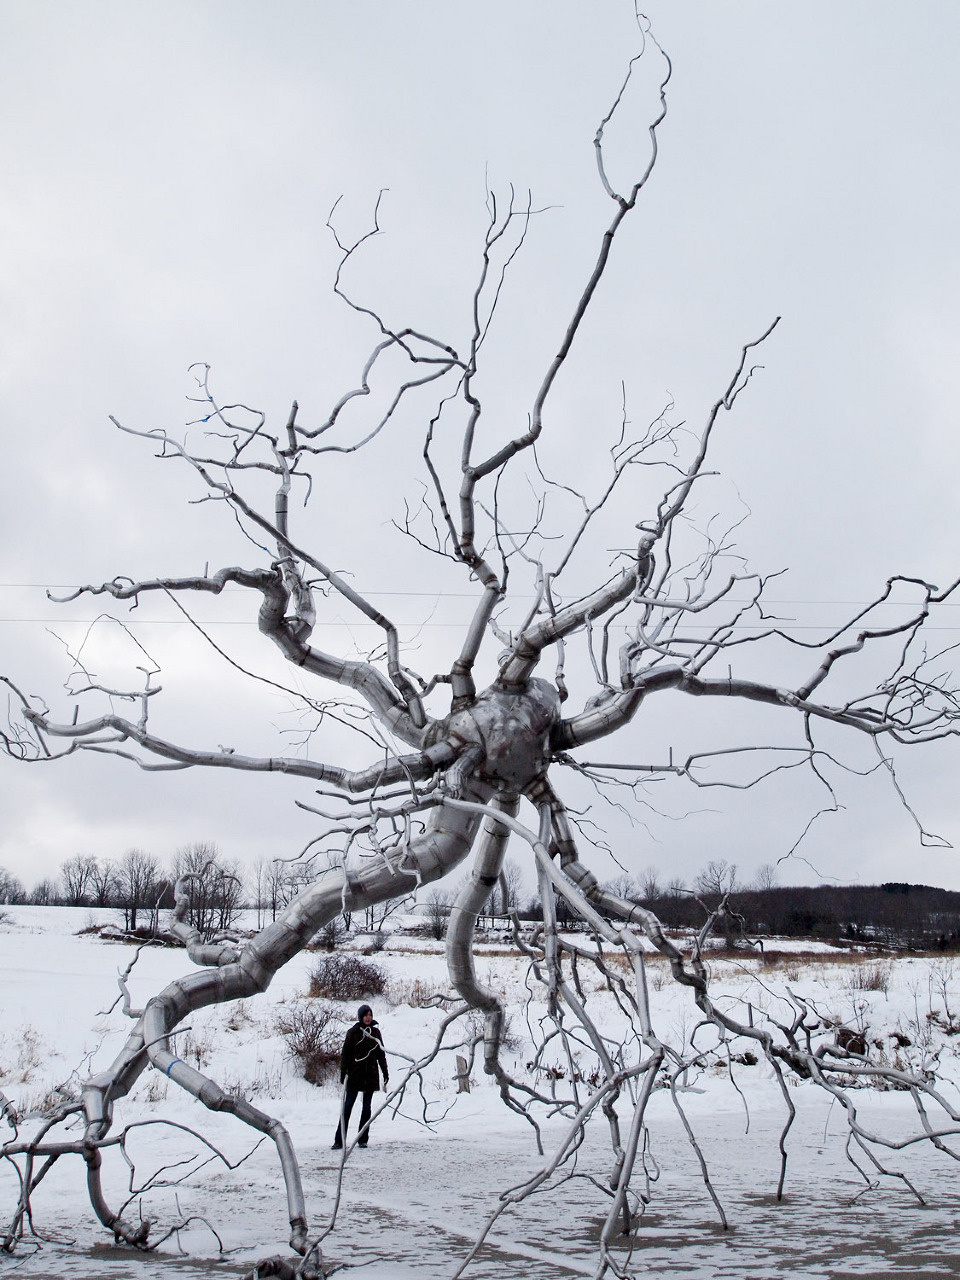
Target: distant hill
<point>895,914</point>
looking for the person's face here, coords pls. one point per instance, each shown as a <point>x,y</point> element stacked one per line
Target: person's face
<point>367,1019</point>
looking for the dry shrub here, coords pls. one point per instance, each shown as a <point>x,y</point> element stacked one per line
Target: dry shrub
<point>874,977</point>
<point>42,1103</point>
<point>851,1040</point>
<point>240,1016</point>
<point>345,977</point>
<point>31,1054</point>
<point>414,992</point>
<point>331,935</point>
<point>196,1043</point>
<point>312,1033</point>
<point>156,1089</point>
<point>618,961</point>
<point>266,1082</point>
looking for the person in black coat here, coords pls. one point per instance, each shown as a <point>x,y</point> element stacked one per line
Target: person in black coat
<point>362,1061</point>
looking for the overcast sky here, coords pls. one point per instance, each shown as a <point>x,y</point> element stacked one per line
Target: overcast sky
<point>168,172</point>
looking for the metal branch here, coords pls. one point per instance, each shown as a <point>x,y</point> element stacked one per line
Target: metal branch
<point>107,732</point>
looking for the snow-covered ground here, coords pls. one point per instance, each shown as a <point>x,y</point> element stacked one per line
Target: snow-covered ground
<point>412,1204</point>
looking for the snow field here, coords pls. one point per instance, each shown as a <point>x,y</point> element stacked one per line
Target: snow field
<point>415,1200</point>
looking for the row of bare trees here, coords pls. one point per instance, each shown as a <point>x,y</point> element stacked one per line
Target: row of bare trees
<point>139,883</point>
<point>714,879</point>
<point>893,914</point>
<point>11,888</point>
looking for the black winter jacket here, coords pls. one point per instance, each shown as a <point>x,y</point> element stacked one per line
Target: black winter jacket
<point>360,1057</point>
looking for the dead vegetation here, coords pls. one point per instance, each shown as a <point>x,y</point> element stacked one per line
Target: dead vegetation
<point>343,976</point>
<point>313,1032</point>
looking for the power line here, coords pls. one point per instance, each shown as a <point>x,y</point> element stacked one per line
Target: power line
<point>772,624</point>
<point>521,595</point>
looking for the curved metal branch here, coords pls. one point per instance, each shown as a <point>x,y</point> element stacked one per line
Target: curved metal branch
<point>529,646</point>
<point>106,733</point>
<point>445,843</point>
<point>617,709</point>
<point>286,633</point>
<point>484,876</point>
<point>198,949</point>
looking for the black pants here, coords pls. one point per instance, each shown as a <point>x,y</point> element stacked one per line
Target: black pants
<point>349,1098</point>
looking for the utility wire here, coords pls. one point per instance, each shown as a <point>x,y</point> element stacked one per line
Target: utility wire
<point>767,624</point>
<point>472,595</point>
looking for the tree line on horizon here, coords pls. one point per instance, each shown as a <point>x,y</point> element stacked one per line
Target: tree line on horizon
<point>141,885</point>
<point>895,914</point>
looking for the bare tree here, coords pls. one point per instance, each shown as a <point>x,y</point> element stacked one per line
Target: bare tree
<point>674,613</point>
<point>276,883</point>
<point>649,884</point>
<point>103,882</point>
<point>511,883</point>
<point>138,881</point>
<point>717,878</point>
<point>12,891</point>
<point>623,886</point>
<point>437,907</point>
<point>333,933</point>
<point>43,893</point>
<point>378,913</point>
<point>75,875</point>
<point>767,876</point>
<point>268,879</point>
<point>214,887</point>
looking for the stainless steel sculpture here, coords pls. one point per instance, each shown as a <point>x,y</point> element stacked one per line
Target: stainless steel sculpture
<point>454,783</point>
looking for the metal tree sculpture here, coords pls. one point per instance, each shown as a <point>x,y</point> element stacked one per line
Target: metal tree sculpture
<point>415,815</point>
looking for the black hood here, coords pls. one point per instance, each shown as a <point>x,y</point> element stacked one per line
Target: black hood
<point>363,1011</point>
